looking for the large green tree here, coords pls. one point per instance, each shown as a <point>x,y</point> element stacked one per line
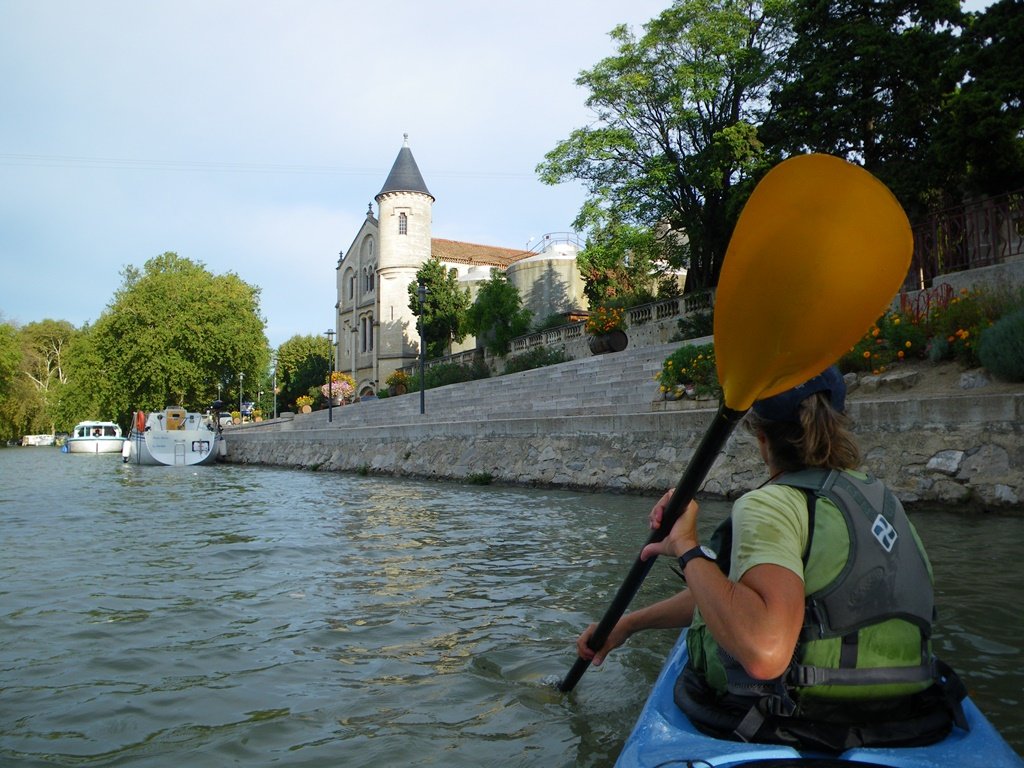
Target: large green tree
<point>44,370</point>
<point>175,334</point>
<point>302,365</point>
<point>866,81</point>
<point>444,308</point>
<point>674,146</point>
<point>10,366</point>
<point>984,129</point>
<point>497,315</point>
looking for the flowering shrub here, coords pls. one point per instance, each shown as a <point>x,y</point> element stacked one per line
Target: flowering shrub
<point>690,370</point>
<point>939,325</point>
<point>398,379</point>
<point>605,320</point>
<point>896,336</point>
<point>342,385</point>
<point>303,400</point>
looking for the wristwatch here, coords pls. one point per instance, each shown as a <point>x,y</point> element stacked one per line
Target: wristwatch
<point>706,553</point>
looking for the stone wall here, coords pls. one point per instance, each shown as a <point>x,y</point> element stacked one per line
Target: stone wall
<point>965,451</point>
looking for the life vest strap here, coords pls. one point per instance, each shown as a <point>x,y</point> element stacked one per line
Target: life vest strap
<point>804,675</point>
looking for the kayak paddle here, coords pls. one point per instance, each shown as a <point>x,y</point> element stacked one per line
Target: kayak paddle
<point>818,252</point>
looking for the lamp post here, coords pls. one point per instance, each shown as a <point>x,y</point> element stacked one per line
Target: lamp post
<point>329,333</point>
<point>423,350</point>
<point>240,377</point>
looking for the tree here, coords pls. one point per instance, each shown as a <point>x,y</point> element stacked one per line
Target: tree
<point>497,315</point>
<point>44,349</point>
<point>175,334</point>
<point>10,365</point>
<point>984,129</point>
<point>444,310</point>
<point>866,81</point>
<point>675,146</point>
<point>302,365</point>
<point>621,264</point>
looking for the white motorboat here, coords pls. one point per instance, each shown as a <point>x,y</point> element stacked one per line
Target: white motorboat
<point>172,437</point>
<point>95,437</point>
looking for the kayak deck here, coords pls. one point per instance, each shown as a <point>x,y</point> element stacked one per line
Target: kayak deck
<point>663,736</point>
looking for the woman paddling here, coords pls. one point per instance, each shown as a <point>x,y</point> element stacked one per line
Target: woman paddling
<point>811,625</point>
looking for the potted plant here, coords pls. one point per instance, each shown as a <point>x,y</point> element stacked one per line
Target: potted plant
<point>236,417</point>
<point>398,383</point>
<point>340,388</point>
<point>304,403</point>
<point>606,326</point>
<point>690,372</point>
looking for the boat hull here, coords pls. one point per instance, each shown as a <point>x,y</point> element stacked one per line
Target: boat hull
<point>94,444</point>
<point>664,736</point>
<point>172,438</point>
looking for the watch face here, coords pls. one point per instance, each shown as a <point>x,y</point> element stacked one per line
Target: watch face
<point>708,552</point>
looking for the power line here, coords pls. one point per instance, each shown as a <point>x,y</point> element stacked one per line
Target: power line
<point>202,166</point>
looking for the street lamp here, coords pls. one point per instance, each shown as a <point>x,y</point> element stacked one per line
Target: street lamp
<point>423,350</point>
<point>329,333</point>
<point>240,377</point>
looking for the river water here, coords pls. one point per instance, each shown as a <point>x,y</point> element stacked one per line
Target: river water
<point>233,615</point>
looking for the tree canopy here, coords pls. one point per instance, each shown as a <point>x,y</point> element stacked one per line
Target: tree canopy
<point>675,141</point>
<point>691,113</point>
<point>303,363</point>
<point>444,310</point>
<point>497,315</point>
<point>866,81</point>
<point>174,334</point>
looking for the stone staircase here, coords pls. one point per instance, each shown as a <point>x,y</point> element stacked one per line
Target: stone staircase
<point>610,384</point>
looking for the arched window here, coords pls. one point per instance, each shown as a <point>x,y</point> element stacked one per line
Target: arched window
<point>403,224</point>
<point>352,286</point>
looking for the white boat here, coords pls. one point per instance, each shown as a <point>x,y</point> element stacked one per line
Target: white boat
<point>172,437</point>
<point>38,440</point>
<point>95,437</point>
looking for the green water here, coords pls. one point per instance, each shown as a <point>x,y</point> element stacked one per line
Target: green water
<point>231,615</point>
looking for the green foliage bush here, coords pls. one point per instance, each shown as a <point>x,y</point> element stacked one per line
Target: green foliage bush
<point>1001,347</point>
<point>450,373</point>
<point>695,325</point>
<point>538,357</point>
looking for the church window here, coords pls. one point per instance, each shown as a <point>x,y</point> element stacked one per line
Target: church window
<point>352,286</point>
<point>403,224</point>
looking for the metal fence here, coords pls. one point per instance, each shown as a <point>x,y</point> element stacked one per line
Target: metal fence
<point>978,234</point>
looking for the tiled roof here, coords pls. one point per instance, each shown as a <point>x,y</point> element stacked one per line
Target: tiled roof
<point>456,252</point>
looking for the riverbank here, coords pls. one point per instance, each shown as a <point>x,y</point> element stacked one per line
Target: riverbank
<point>933,435</point>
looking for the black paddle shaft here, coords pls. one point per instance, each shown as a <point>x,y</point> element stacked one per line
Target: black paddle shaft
<point>714,439</point>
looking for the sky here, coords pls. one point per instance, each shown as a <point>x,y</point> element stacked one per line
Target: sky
<point>251,136</point>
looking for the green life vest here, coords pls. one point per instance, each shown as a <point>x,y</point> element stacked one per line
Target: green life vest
<point>866,634</point>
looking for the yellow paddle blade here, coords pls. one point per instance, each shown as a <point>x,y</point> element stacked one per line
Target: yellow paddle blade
<point>820,249</point>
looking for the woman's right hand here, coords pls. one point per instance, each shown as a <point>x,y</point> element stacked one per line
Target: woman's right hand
<point>619,634</point>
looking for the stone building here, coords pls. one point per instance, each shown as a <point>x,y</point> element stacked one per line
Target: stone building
<point>376,329</point>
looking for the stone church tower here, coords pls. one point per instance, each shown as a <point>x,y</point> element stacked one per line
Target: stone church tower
<point>404,227</point>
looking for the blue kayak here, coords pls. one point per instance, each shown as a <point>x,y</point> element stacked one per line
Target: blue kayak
<point>663,736</point>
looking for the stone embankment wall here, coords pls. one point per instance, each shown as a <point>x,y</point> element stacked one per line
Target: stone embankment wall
<point>965,451</point>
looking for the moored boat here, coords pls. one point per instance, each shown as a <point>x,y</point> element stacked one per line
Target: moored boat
<point>664,736</point>
<point>172,437</point>
<point>95,437</point>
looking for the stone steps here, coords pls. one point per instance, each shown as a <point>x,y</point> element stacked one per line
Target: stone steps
<point>609,384</point>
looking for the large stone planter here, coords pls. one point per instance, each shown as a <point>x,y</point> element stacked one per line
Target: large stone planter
<point>613,341</point>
